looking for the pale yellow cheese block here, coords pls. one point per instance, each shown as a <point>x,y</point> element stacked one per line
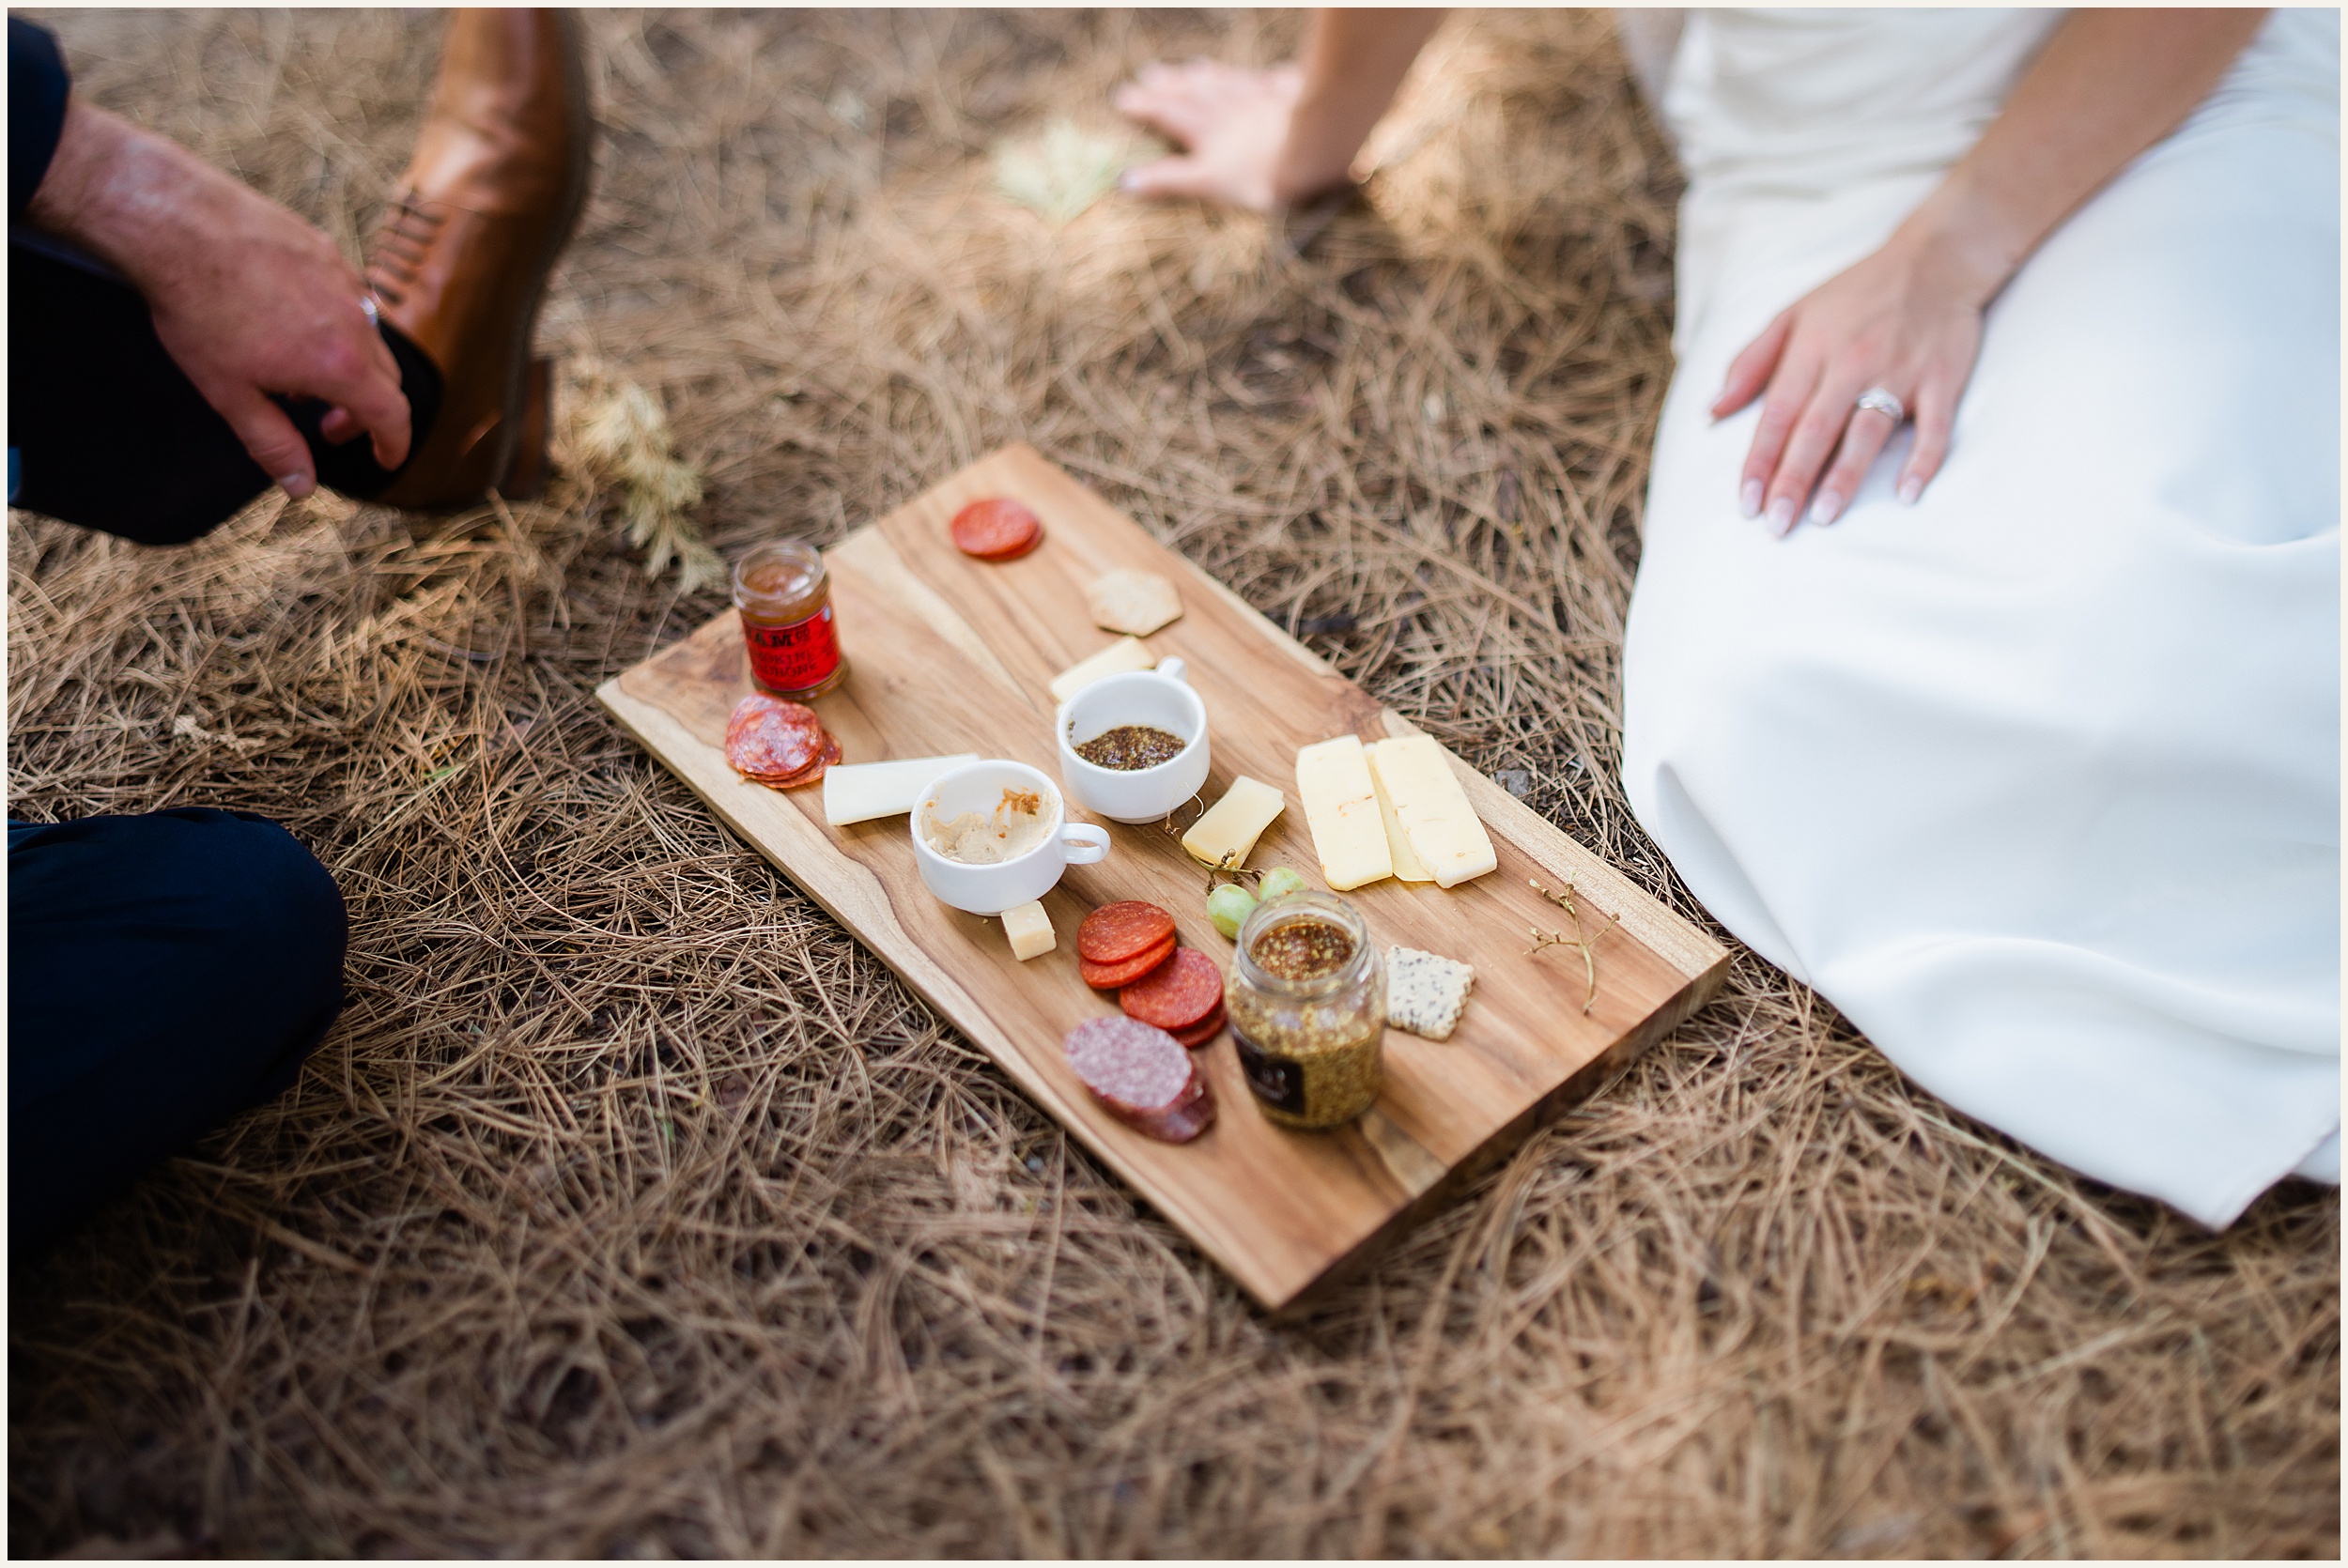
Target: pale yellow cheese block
<point>1341,810</point>
<point>1126,654</point>
<point>1407,866</point>
<point>1233,824</point>
<point>1029,929</point>
<point>1443,828</point>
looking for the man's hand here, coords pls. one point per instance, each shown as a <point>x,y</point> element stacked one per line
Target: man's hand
<point>248,299</point>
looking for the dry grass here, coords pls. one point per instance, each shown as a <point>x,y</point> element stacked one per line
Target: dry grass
<point>634,1209</point>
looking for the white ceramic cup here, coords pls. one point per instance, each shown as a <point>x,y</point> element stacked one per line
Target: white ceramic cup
<point>991,889</point>
<point>1161,698</point>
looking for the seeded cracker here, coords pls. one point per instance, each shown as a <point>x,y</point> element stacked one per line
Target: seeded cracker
<point>1426,993</point>
<point>1134,602</point>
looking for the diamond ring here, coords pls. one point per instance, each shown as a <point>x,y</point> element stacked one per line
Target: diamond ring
<point>1883,403</point>
<point>375,317</point>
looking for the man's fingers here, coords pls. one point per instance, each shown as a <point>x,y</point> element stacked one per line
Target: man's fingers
<point>370,394</point>
<point>1749,372</point>
<point>269,438</point>
<point>1936,421</point>
<point>1863,440</point>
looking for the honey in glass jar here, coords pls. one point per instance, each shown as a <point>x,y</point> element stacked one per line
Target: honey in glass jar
<point>784,595</point>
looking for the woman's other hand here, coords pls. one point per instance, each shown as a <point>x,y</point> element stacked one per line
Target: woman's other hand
<point>1906,321</point>
<point>1231,124</point>
<point>1266,139</point>
<point>248,299</point>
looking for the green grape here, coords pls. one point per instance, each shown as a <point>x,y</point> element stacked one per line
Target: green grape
<point>1227,905</point>
<point>1279,882</point>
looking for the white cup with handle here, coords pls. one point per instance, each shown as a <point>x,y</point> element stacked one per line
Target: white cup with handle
<point>994,790</point>
<point>1162,699</point>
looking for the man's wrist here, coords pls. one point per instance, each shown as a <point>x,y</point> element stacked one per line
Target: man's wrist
<point>120,192</point>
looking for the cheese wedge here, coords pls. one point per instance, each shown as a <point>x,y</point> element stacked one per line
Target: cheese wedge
<point>1127,653</point>
<point>1433,810</point>
<point>1341,809</point>
<point>1029,929</point>
<point>1233,824</point>
<point>859,791</point>
<point>1407,866</point>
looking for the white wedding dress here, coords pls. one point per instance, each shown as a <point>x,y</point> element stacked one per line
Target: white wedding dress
<point>2038,781</point>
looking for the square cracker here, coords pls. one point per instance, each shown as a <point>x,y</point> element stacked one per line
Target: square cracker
<point>1134,602</point>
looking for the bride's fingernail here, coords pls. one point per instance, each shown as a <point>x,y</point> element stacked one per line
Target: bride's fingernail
<point>1827,507</point>
<point>1781,516</point>
<point>1910,489</point>
<point>1749,499</point>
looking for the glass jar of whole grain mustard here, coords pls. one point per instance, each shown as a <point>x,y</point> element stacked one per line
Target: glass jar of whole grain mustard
<point>783,592</point>
<point>1307,1002</point>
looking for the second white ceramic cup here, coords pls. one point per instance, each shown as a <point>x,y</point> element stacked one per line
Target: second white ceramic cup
<point>1161,698</point>
<point>991,889</point>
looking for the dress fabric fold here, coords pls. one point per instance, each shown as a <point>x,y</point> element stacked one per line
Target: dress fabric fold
<point>2037,780</point>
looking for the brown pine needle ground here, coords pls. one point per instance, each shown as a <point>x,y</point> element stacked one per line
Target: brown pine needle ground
<point>634,1209</point>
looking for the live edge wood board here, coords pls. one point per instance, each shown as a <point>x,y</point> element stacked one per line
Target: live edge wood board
<point>950,655</point>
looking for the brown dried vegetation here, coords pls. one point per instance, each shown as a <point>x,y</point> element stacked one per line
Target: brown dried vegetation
<point>634,1209</point>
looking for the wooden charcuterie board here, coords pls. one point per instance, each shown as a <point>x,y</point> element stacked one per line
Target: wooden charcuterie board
<point>951,654</point>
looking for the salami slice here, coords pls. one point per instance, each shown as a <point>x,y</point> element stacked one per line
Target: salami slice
<point>768,737</point>
<point>1115,932</point>
<point>1143,1077</point>
<point>1177,995</point>
<point>1112,976</point>
<point>1204,1030</point>
<point>997,529</point>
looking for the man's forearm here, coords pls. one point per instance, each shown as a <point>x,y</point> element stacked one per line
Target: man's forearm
<point>2109,85</point>
<point>1353,61</point>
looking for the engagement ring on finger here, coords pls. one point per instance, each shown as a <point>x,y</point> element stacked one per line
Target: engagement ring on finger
<point>1883,403</point>
<point>375,317</point>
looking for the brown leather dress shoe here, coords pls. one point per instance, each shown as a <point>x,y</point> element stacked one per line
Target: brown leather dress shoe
<point>460,263</point>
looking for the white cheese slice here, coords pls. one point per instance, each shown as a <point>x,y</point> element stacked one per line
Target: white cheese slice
<point>859,791</point>
<point>1341,809</point>
<point>1406,864</point>
<point>1029,929</point>
<point>1433,810</point>
<point>1127,653</point>
<point>1233,824</point>
<point>1426,993</point>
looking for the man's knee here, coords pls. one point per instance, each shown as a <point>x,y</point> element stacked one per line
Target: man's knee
<point>165,972</point>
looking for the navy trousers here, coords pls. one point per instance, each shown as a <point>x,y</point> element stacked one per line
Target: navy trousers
<point>105,430</point>
<point>164,972</point>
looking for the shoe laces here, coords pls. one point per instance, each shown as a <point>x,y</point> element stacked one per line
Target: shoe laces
<point>400,246</point>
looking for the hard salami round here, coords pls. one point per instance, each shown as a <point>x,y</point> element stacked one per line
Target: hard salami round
<point>770,738</point>
<point>1115,932</point>
<point>811,774</point>
<point>1143,1076</point>
<point>1111,976</point>
<point>997,529</point>
<point>1177,994</point>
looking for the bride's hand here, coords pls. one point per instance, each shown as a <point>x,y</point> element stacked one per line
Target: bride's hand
<point>1907,320</point>
<point>1231,124</point>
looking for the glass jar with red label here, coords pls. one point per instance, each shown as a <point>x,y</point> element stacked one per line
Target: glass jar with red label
<point>784,595</point>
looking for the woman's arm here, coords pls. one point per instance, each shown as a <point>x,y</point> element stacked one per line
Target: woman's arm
<point>1262,139</point>
<point>2107,86</point>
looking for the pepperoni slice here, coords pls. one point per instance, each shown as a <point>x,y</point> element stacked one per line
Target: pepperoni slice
<point>1110,976</point>
<point>1143,1076</point>
<point>811,774</point>
<point>1177,995</point>
<point>768,737</point>
<point>1204,1030</point>
<point>1115,932</point>
<point>997,529</point>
